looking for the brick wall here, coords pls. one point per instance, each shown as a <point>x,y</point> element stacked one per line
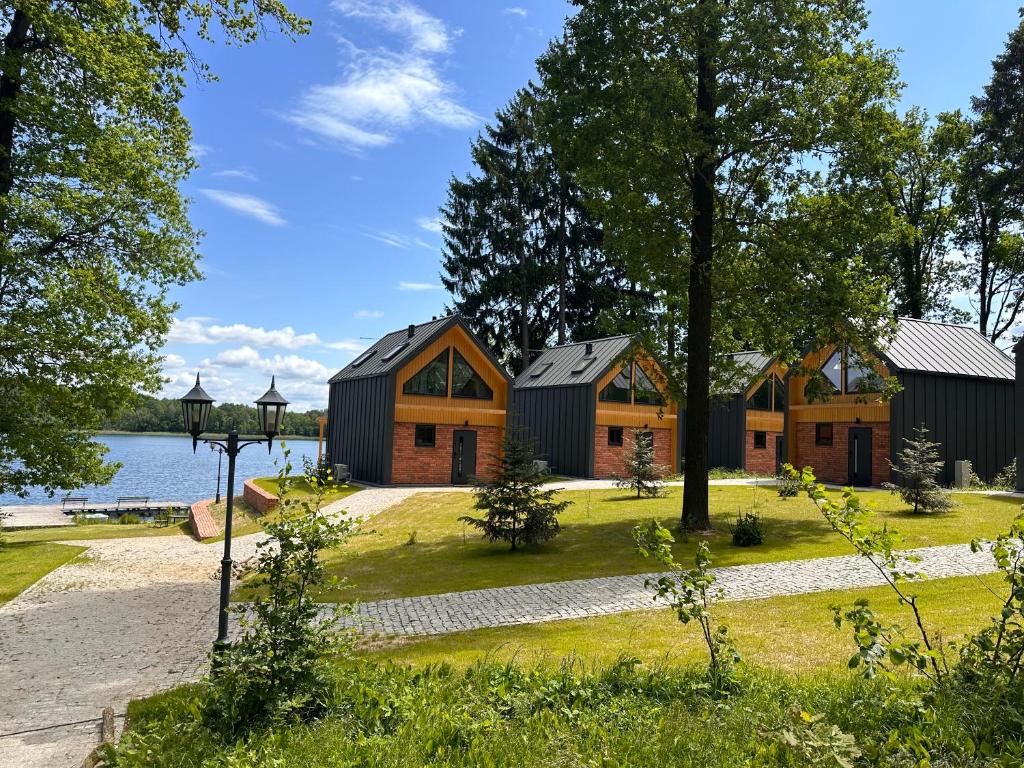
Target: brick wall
<point>608,459</point>
<point>412,465</point>
<point>831,462</point>
<point>201,521</point>
<point>260,500</point>
<point>761,460</point>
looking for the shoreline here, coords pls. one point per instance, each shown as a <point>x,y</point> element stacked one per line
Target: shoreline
<point>123,433</point>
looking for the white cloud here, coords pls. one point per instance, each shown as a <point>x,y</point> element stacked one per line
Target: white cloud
<point>247,205</point>
<point>199,150</point>
<point>173,362</point>
<point>346,345</point>
<point>406,286</point>
<point>385,91</point>
<point>243,357</point>
<point>389,238</point>
<point>430,224</point>
<point>236,173</point>
<point>199,330</point>
<point>515,11</point>
<point>294,367</point>
<point>366,314</point>
<point>424,32</point>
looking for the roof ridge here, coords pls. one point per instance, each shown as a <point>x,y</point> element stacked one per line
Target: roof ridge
<point>939,322</point>
<point>588,341</point>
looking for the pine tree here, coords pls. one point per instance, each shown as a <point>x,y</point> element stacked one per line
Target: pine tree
<point>641,473</point>
<point>517,509</point>
<point>918,467</point>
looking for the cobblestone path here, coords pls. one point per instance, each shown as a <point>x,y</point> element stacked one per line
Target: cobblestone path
<point>533,603</point>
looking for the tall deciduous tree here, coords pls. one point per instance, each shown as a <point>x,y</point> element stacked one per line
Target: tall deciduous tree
<point>1002,108</point>
<point>524,259</point>
<point>93,228</point>
<point>690,121</point>
<point>917,171</point>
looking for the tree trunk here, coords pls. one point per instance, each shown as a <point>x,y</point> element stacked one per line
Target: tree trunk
<point>561,264</point>
<point>10,88</point>
<point>695,515</point>
<point>524,313</point>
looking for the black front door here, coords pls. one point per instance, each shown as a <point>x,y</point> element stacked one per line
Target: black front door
<point>463,456</point>
<point>779,458</point>
<point>860,456</point>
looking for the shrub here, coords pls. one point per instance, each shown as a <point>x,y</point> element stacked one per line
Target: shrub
<point>517,509</point>
<point>918,466</point>
<point>129,519</point>
<point>1006,480</point>
<point>281,667</point>
<point>748,530</point>
<point>641,473</point>
<point>787,486</point>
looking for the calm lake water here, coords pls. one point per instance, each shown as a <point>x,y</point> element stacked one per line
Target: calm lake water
<point>164,468</point>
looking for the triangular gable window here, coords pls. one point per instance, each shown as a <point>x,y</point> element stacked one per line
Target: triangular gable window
<point>431,380</point>
<point>860,377</point>
<point>833,371</point>
<point>761,400</point>
<point>466,382</point>
<point>645,392</point>
<point>617,390</point>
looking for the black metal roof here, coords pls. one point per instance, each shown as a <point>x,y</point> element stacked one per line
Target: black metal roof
<point>953,350</point>
<point>750,365</point>
<point>573,364</point>
<point>392,351</point>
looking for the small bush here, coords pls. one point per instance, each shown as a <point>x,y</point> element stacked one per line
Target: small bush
<point>1006,480</point>
<point>748,530</point>
<point>129,519</point>
<point>788,487</point>
<point>411,541</point>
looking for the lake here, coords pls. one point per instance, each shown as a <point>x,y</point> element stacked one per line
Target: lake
<point>164,468</point>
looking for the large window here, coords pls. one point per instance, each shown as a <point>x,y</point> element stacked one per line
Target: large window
<point>644,391</point>
<point>466,382</point>
<point>618,388</point>
<point>860,377</point>
<point>761,400</point>
<point>833,371</point>
<point>770,396</point>
<point>431,380</point>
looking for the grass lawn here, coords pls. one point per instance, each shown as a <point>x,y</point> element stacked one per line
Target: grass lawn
<point>95,531</point>
<point>23,563</point>
<point>800,637</point>
<point>595,540</point>
<point>299,489</point>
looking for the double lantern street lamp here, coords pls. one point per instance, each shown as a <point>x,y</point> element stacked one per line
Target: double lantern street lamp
<point>195,407</point>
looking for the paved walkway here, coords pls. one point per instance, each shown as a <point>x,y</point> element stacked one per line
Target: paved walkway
<point>534,603</point>
<point>134,616</point>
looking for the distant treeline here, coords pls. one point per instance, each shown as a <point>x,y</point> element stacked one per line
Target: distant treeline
<point>164,415</point>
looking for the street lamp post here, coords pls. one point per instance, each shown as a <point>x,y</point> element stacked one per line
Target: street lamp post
<point>220,455</point>
<point>196,406</point>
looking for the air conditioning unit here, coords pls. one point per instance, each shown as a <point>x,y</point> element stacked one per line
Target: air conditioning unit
<point>541,467</point>
<point>341,473</point>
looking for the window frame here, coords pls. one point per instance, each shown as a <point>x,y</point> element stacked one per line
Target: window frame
<point>628,369</point>
<point>763,435</point>
<point>422,443</point>
<point>868,372</point>
<point>819,438</point>
<point>621,440</point>
<point>658,399</point>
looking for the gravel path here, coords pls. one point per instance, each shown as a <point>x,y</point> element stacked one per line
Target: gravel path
<point>134,616</point>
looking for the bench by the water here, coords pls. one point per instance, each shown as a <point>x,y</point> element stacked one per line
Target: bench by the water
<point>135,505</point>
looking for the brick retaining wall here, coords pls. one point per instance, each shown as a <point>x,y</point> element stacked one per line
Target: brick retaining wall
<point>201,521</point>
<point>257,498</point>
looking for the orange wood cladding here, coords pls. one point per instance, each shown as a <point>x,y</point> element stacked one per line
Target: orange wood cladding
<point>426,409</point>
<point>765,421</point>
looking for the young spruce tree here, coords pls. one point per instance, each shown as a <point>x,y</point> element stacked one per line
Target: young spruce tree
<point>641,473</point>
<point>517,509</point>
<point>918,468</point>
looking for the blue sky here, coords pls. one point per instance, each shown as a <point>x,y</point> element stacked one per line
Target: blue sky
<point>323,163</point>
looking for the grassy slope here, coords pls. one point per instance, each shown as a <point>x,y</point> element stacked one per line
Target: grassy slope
<point>24,563</point>
<point>800,637</point>
<point>596,540</point>
<point>246,520</point>
<point>95,531</point>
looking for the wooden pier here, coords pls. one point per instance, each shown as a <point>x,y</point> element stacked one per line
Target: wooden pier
<point>63,514</point>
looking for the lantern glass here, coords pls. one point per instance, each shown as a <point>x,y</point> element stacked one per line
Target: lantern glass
<point>195,409</point>
<point>271,409</point>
